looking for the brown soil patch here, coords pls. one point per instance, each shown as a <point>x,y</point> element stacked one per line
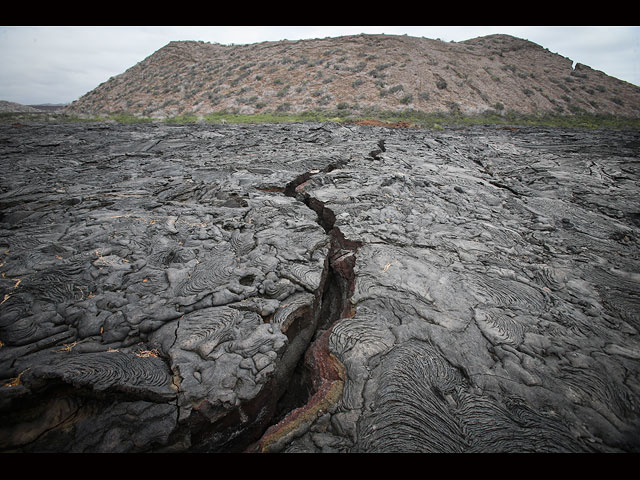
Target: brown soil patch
<point>378,123</point>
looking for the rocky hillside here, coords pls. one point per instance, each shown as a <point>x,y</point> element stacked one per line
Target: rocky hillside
<point>358,74</point>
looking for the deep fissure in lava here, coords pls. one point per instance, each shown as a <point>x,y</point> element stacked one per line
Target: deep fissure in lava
<point>336,290</point>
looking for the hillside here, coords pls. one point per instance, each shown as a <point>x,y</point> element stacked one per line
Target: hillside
<point>358,74</point>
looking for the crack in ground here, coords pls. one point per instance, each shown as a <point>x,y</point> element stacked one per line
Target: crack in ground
<point>318,380</point>
<point>309,379</point>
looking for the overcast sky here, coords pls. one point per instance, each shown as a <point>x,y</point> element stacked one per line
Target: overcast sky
<point>60,64</point>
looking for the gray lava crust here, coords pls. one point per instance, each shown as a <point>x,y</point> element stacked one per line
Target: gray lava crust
<point>318,288</point>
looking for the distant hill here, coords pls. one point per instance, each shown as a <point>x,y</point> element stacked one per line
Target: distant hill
<point>359,74</point>
<point>49,107</point>
<point>13,107</point>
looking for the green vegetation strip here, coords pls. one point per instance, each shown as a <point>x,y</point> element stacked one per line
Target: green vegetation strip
<point>416,118</point>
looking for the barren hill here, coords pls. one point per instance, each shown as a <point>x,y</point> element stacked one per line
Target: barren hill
<point>358,74</point>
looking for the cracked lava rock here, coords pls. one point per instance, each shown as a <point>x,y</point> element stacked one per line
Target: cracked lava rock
<point>278,288</point>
